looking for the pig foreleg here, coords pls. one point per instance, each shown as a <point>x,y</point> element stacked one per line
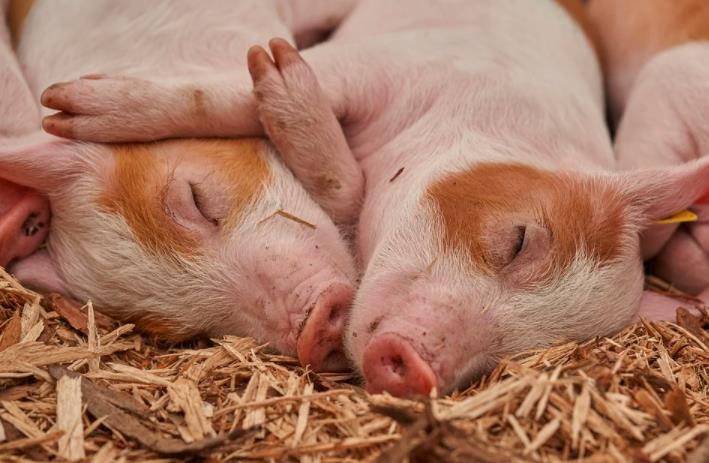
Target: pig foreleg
<point>299,120</point>
<point>102,108</point>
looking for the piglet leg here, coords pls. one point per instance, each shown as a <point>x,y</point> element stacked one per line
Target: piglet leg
<point>103,108</point>
<point>299,120</point>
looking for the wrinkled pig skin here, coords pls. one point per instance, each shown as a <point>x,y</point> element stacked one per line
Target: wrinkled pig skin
<point>181,237</point>
<point>492,219</point>
<point>656,56</point>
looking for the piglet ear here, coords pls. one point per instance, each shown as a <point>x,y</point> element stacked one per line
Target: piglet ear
<point>39,272</point>
<point>656,195</point>
<point>661,193</point>
<point>39,161</point>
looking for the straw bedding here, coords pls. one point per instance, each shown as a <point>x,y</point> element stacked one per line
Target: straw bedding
<point>75,385</point>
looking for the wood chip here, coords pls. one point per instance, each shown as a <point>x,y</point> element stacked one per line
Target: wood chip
<point>544,434</point>
<point>12,331</point>
<point>580,414</point>
<point>132,427</point>
<point>641,395</point>
<point>184,394</point>
<point>75,314</point>
<point>303,412</point>
<point>71,444</point>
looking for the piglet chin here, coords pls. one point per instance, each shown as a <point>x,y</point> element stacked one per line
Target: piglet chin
<point>391,364</point>
<point>320,342</point>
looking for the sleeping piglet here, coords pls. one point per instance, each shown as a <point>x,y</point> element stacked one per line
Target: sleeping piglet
<point>656,55</point>
<point>493,220</point>
<point>182,237</point>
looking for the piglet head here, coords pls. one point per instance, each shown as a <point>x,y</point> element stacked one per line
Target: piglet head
<point>498,258</point>
<point>189,237</point>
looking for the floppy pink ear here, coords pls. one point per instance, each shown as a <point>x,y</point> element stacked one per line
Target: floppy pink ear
<point>39,272</point>
<point>660,193</point>
<point>39,161</point>
<point>656,194</point>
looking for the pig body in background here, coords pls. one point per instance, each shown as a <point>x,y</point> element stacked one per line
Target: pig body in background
<point>182,237</point>
<point>656,56</point>
<point>491,222</point>
<point>24,214</point>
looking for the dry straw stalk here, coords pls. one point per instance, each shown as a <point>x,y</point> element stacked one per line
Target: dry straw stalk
<point>75,385</point>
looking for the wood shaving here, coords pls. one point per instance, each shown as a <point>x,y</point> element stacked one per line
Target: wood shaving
<point>76,385</point>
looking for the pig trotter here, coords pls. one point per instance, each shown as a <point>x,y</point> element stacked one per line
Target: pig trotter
<point>99,108</point>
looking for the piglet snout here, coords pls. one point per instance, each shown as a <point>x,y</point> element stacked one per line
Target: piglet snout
<point>24,221</point>
<point>391,364</point>
<point>320,342</point>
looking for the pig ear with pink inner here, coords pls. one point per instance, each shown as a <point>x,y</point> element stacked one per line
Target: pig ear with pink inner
<point>661,193</point>
<point>658,199</point>
<point>31,168</point>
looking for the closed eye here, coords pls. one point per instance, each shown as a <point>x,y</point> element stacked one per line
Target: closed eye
<point>521,239</point>
<point>200,204</point>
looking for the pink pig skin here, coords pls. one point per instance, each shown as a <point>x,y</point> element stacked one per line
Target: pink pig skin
<point>495,96</point>
<point>657,67</point>
<point>273,266</point>
<point>24,213</point>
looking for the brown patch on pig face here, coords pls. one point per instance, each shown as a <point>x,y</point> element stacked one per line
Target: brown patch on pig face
<point>241,168</point>
<point>139,187</point>
<point>491,209</point>
<point>137,193</point>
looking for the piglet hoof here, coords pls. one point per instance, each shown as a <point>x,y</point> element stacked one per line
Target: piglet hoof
<point>284,55</point>
<point>100,108</point>
<point>320,342</point>
<point>282,78</point>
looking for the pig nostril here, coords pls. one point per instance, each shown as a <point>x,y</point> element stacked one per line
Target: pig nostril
<point>335,314</point>
<point>398,366</point>
<point>29,228</point>
<point>391,364</point>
